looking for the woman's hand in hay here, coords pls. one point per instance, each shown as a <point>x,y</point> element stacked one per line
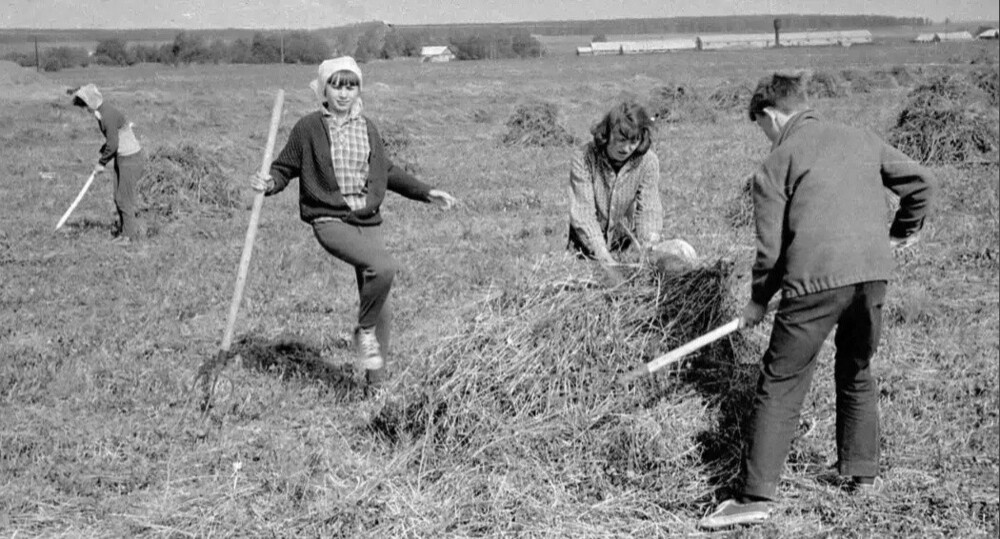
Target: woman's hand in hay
<point>441,199</point>
<point>752,314</point>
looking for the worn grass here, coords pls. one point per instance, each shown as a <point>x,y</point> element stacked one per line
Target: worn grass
<point>99,436</point>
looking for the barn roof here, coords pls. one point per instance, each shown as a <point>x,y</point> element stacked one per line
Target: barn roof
<point>434,50</point>
<point>736,38</point>
<point>654,45</point>
<point>954,36</point>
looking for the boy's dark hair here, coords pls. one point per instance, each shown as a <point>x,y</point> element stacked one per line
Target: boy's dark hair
<point>630,120</point>
<point>77,102</point>
<point>786,93</point>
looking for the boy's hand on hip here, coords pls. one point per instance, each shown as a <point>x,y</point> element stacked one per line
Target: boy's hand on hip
<point>752,314</point>
<point>441,198</point>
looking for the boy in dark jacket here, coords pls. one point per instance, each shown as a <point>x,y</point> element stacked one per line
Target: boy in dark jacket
<point>344,173</point>
<point>819,209</point>
<point>121,145</point>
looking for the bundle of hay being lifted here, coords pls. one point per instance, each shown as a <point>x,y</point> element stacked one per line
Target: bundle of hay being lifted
<point>948,120</point>
<point>531,386</point>
<point>536,124</point>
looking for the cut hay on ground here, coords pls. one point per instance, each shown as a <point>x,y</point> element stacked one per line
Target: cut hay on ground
<point>739,209</point>
<point>21,83</point>
<point>530,385</point>
<point>948,120</point>
<point>186,178</point>
<point>536,124</point>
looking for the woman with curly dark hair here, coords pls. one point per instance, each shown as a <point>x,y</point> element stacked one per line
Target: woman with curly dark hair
<point>615,187</point>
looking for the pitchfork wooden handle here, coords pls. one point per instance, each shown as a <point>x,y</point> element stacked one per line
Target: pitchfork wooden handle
<point>258,202</point>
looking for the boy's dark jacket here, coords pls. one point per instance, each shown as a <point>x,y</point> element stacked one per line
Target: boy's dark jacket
<point>306,156</point>
<point>820,208</point>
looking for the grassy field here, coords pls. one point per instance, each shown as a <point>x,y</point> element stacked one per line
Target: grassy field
<point>101,437</point>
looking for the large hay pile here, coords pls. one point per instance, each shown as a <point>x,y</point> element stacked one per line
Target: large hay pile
<point>948,120</point>
<point>536,124</point>
<point>186,178</point>
<point>531,385</point>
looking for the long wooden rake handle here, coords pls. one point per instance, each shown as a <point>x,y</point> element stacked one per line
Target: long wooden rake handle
<point>258,202</point>
<point>79,197</point>
<point>680,352</point>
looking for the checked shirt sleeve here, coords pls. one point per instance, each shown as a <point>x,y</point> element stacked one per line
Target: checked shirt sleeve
<point>583,212</point>
<point>649,209</point>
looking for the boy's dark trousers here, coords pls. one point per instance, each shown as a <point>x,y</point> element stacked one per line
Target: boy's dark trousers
<point>800,326</point>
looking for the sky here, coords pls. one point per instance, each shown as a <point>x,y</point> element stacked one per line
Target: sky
<point>309,14</point>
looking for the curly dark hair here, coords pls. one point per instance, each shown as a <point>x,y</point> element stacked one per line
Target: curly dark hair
<point>786,93</point>
<point>631,121</point>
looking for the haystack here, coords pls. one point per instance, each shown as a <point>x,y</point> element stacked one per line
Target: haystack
<point>187,178</point>
<point>21,84</point>
<point>531,384</point>
<point>948,120</point>
<point>731,96</point>
<point>825,85</point>
<point>536,124</point>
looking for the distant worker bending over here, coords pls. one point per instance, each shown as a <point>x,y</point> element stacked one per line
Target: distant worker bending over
<point>120,144</point>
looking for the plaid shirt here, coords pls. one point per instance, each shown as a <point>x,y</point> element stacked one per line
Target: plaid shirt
<point>606,206</point>
<point>349,149</point>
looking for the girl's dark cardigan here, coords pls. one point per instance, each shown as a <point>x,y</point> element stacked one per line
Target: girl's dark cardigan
<point>306,156</point>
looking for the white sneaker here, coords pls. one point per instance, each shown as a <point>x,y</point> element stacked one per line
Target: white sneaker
<point>369,356</point>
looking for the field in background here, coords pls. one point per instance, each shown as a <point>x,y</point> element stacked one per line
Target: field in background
<point>99,436</point>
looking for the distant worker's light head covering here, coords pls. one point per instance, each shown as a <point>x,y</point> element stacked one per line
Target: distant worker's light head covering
<point>328,68</point>
<point>90,96</point>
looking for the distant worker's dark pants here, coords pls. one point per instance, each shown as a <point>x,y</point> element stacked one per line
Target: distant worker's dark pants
<point>800,327</point>
<point>128,171</point>
<point>363,247</point>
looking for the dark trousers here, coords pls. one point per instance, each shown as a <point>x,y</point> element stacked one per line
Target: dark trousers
<point>364,248</point>
<point>128,171</point>
<point>800,327</point>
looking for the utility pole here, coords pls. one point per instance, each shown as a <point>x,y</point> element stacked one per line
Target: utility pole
<point>38,64</point>
<point>281,33</point>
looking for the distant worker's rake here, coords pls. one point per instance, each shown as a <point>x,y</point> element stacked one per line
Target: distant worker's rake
<point>207,380</point>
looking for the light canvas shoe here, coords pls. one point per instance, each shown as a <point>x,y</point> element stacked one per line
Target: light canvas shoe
<point>733,513</point>
<point>369,356</point>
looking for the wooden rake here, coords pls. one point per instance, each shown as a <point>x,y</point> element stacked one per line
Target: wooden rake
<point>208,374</point>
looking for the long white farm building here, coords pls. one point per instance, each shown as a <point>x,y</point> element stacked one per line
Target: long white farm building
<point>843,38</point>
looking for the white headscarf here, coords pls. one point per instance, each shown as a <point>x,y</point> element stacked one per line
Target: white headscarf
<point>90,95</point>
<point>327,69</point>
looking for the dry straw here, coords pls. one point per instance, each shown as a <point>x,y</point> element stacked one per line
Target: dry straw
<point>536,124</point>
<point>531,383</point>
<point>949,120</point>
<point>186,178</point>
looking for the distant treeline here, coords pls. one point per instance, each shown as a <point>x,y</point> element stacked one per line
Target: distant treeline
<point>367,41</point>
<point>364,42</point>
